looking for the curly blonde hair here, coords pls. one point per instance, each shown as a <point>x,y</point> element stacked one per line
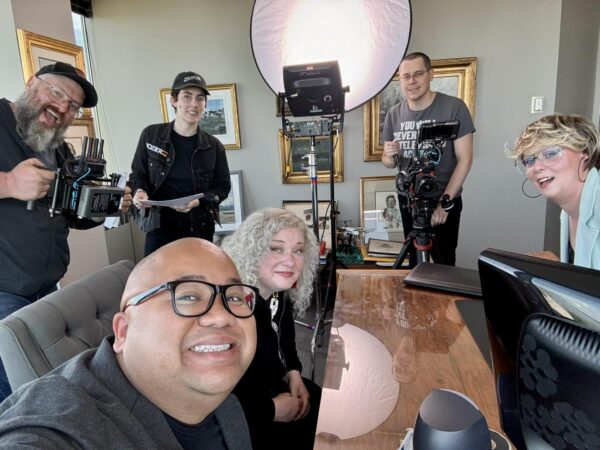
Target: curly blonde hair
<point>570,131</point>
<point>248,244</point>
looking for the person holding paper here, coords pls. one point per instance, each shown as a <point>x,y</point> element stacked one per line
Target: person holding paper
<point>175,160</point>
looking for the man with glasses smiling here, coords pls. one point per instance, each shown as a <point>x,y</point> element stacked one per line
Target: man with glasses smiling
<point>400,131</point>
<point>179,159</point>
<point>183,339</point>
<point>34,253</point>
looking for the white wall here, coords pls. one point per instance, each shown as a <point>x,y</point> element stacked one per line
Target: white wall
<point>46,17</point>
<point>11,75</point>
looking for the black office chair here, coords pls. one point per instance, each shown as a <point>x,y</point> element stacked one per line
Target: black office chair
<point>558,382</point>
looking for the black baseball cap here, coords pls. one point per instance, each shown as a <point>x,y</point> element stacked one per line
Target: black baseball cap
<point>67,70</point>
<point>185,79</point>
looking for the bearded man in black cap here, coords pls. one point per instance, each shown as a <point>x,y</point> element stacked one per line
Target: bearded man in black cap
<point>175,160</point>
<point>34,253</point>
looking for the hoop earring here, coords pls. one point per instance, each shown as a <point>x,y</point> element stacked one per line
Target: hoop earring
<point>525,193</point>
<point>579,169</point>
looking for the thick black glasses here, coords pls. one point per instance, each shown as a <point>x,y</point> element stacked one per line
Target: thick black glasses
<point>193,298</point>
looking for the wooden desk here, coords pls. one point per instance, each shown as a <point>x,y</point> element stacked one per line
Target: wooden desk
<point>390,346</point>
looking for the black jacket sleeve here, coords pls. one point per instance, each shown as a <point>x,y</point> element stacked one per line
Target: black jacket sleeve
<point>139,178</point>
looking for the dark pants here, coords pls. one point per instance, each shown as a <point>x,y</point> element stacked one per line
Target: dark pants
<point>445,238</point>
<point>9,303</point>
<point>170,231</point>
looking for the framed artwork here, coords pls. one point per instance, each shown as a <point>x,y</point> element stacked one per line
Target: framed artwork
<point>454,77</point>
<point>231,210</point>
<point>77,131</point>
<point>38,51</point>
<point>377,247</point>
<point>303,209</point>
<point>292,151</point>
<point>220,117</point>
<point>379,209</point>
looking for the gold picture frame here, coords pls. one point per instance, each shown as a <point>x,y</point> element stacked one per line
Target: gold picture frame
<point>221,115</point>
<point>291,152</point>
<point>456,77</point>
<point>38,51</point>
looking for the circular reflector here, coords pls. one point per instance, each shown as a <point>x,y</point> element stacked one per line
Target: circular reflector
<point>368,38</point>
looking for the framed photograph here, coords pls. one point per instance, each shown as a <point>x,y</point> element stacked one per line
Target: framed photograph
<point>378,195</point>
<point>77,131</point>
<point>454,77</point>
<point>293,163</point>
<point>38,51</point>
<point>378,247</point>
<point>303,209</point>
<point>231,210</point>
<point>220,118</point>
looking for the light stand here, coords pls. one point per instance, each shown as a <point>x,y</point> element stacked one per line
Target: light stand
<point>311,90</point>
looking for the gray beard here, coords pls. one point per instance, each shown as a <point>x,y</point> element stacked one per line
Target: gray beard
<point>37,136</point>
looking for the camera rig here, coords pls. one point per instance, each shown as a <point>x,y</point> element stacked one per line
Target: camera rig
<point>417,181</point>
<point>81,188</point>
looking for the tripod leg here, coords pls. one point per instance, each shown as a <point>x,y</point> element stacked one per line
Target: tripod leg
<point>404,251</point>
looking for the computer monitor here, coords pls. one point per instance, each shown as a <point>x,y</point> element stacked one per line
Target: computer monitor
<point>514,286</point>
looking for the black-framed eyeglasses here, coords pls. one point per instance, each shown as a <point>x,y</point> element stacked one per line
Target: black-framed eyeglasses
<point>194,298</point>
<point>59,95</point>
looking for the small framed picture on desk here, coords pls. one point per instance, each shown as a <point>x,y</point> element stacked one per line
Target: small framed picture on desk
<point>380,247</point>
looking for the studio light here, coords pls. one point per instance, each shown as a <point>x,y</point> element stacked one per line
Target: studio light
<point>368,38</point>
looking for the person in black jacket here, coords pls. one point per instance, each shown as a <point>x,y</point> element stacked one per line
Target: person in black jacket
<point>274,250</point>
<point>175,160</point>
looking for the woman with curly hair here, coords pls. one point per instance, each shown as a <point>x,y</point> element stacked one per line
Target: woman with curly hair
<point>560,155</point>
<point>274,250</point>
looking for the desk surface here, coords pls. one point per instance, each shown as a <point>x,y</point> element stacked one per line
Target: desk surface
<point>390,346</point>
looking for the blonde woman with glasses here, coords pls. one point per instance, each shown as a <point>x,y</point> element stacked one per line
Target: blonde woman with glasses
<point>560,155</point>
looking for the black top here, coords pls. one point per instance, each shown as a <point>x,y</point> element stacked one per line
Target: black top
<point>206,435</point>
<point>275,356</point>
<point>179,182</point>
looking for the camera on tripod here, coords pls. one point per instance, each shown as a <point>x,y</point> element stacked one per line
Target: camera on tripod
<point>416,177</point>
<point>81,188</point>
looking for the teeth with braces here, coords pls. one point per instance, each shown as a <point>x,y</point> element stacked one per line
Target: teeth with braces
<point>210,348</point>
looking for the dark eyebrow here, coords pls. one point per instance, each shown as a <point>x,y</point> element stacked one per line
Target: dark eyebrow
<point>203,278</point>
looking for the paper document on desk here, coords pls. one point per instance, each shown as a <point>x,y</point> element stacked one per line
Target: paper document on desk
<point>173,203</point>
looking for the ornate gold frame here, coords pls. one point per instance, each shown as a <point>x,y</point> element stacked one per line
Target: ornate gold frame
<point>289,176</point>
<point>34,46</point>
<point>464,69</point>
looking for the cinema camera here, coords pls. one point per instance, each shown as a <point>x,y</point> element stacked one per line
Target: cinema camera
<point>81,188</point>
<point>416,179</point>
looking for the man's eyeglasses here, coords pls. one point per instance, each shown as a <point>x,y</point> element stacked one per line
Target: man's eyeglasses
<point>548,157</point>
<point>194,298</point>
<point>417,75</point>
<point>59,95</point>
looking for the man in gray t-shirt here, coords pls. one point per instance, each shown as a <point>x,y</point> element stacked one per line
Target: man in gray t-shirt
<point>400,131</point>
